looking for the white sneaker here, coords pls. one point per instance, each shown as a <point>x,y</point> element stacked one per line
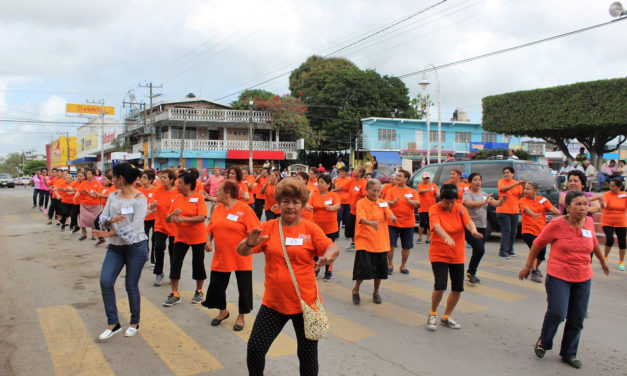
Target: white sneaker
<point>432,322</point>
<point>152,266</point>
<point>130,331</point>
<point>451,323</point>
<point>110,332</point>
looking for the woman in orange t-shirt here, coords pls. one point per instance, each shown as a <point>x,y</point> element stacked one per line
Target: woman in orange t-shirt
<point>249,181</point>
<point>533,208</point>
<point>235,174</point>
<point>303,177</point>
<point>448,219</point>
<point>372,240</point>
<point>427,194</point>
<point>342,186</point>
<point>76,204</point>
<point>105,191</point>
<point>164,231</point>
<point>303,240</point>
<point>90,203</point>
<point>455,178</point>
<point>270,205</point>
<point>324,205</point>
<point>507,213</point>
<point>230,222</point>
<point>188,213</point>
<point>149,190</point>
<point>67,199</point>
<point>357,192</point>
<point>614,220</point>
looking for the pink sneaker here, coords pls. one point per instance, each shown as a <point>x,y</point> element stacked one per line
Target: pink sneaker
<point>45,211</point>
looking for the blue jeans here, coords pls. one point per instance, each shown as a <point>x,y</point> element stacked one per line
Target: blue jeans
<point>509,226</point>
<point>134,257</point>
<point>566,300</point>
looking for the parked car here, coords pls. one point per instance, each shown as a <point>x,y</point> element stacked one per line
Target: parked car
<point>384,178</point>
<point>21,180</point>
<point>6,180</point>
<point>492,171</point>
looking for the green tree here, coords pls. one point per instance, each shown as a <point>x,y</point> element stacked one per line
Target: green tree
<point>338,95</point>
<point>256,94</point>
<point>591,112</point>
<point>420,104</point>
<point>11,163</point>
<point>288,114</point>
<point>30,167</point>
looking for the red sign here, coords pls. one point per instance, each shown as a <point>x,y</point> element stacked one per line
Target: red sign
<point>108,138</point>
<point>243,154</point>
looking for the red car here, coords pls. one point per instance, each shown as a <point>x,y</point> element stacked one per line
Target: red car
<point>383,178</point>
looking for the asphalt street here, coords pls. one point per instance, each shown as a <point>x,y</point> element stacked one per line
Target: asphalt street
<point>51,314</point>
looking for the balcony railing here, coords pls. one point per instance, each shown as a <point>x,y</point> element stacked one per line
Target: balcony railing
<point>175,144</point>
<point>207,115</point>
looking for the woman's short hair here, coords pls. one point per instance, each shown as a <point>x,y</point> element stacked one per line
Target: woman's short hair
<point>169,173</point>
<point>533,185</point>
<point>92,170</point>
<point>405,173</point>
<point>360,170</point>
<point>238,173</point>
<point>188,179</point>
<point>579,174</point>
<point>231,188</point>
<point>327,179</point>
<point>457,171</point>
<point>291,188</point>
<point>125,171</point>
<point>304,175</point>
<point>372,182</point>
<point>472,176</point>
<point>449,191</point>
<point>570,196</point>
<point>150,174</point>
<point>511,169</point>
<point>194,171</point>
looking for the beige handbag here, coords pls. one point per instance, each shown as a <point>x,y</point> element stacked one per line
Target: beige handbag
<point>314,317</point>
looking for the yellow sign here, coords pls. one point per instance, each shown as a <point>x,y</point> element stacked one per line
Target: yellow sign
<point>89,142</point>
<point>59,151</point>
<point>89,109</point>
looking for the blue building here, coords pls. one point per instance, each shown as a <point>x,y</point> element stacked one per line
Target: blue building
<point>391,139</point>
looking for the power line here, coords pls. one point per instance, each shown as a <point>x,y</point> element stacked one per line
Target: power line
<point>512,48</point>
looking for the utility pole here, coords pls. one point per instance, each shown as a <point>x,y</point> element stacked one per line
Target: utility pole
<point>181,159</point>
<point>250,135</point>
<point>142,106</point>
<point>151,129</point>
<point>102,136</point>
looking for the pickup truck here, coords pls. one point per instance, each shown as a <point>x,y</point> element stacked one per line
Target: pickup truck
<point>6,180</point>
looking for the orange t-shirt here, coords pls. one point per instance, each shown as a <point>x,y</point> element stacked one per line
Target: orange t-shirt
<point>199,187</point>
<point>327,220</point>
<point>461,188</point>
<point>251,180</point>
<point>510,206</point>
<point>386,188</point>
<point>368,238</point>
<point>76,184</point>
<point>453,223</point>
<point>531,225</point>
<point>312,186</point>
<point>357,192</point>
<point>93,186</point>
<point>109,190</point>
<point>403,210</point>
<point>257,188</point>
<point>150,197</point>
<point>270,200</point>
<point>427,200</point>
<point>305,240</point>
<point>615,212</point>
<point>228,228</point>
<point>164,202</point>
<point>345,184</point>
<point>67,198</point>
<point>191,206</point>
<point>243,189</point>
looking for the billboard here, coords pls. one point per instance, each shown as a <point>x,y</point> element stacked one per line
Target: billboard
<point>59,151</point>
<point>90,109</point>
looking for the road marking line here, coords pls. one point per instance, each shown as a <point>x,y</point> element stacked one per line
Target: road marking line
<point>391,311</point>
<point>37,217</point>
<point>283,344</point>
<point>11,218</point>
<point>338,326</point>
<point>179,351</point>
<point>420,294</point>
<point>72,348</point>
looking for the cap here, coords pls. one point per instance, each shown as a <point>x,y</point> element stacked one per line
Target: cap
<point>464,175</point>
<point>426,175</point>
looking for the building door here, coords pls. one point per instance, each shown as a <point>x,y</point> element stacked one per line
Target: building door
<point>419,140</point>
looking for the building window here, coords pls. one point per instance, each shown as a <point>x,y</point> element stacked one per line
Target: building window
<point>462,137</point>
<point>433,136</point>
<point>213,134</point>
<point>488,137</point>
<point>161,132</point>
<point>386,134</point>
<point>190,133</point>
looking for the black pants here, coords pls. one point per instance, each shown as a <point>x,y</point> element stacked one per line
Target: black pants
<point>259,205</point>
<point>270,215</point>
<point>478,249</point>
<point>44,196</point>
<point>343,214</point>
<point>219,281</point>
<point>55,207</point>
<point>36,192</point>
<point>267,327</point>
<point>529,239</point>
<point>198,261</point>
<point>621,232</point>
<point>349,230</point>
<point>65,212</point>
<point>150,224</point>
<point>74,211</point>
<point>159,239</point>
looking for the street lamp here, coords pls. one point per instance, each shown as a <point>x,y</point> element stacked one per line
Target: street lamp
<point>617,10</point>
<point>250,136</point>
<point>423,84</point>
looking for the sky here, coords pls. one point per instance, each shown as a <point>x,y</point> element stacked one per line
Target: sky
<point>58,52</point>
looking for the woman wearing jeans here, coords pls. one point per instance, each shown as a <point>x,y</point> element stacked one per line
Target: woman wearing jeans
<point>569,272</point>
<point>507,213</point>
<point>122,220</point>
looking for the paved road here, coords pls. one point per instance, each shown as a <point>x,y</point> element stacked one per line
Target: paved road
<point>51,313</point>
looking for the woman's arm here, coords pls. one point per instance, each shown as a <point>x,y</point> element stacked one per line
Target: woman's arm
<point>254,238</point>
<point>470,226</point>
<point>533,254</point>
<point>123,231</point>
<point>601,258</point>
<point>512,186</point>
<point>330,254</point>
<point>443,234</point>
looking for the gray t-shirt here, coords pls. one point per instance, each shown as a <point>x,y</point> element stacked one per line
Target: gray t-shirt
<point>131,230</point>
<point>478,215</point>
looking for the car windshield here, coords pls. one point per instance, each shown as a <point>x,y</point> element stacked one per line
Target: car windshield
<point>5,176</point>
<point>537,174</point>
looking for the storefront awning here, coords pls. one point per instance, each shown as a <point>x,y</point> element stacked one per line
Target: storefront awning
<point>257,154</point>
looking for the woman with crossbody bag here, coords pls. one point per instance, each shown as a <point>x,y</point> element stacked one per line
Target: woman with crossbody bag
<point>289,244</point>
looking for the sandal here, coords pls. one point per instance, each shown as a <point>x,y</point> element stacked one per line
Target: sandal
<point>539,350</point>
<point>573,362</point>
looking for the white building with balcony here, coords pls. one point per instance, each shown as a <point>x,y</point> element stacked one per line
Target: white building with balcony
<point>215,135</point>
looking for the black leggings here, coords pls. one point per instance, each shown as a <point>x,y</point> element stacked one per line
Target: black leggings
<point>150,224</point>
<point>74,211</point>
<point>159,239</point>
<point>621,233</point>
<point>198,261</point>
<point>267,327</point>
<point>529,239</point>
<point>65,212</point>
<point>259,204</point>
<point>219,281</point>
<point>44,196</point>
<point>478,249</point>
<point>55,207</point>
<point>349,229</point>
